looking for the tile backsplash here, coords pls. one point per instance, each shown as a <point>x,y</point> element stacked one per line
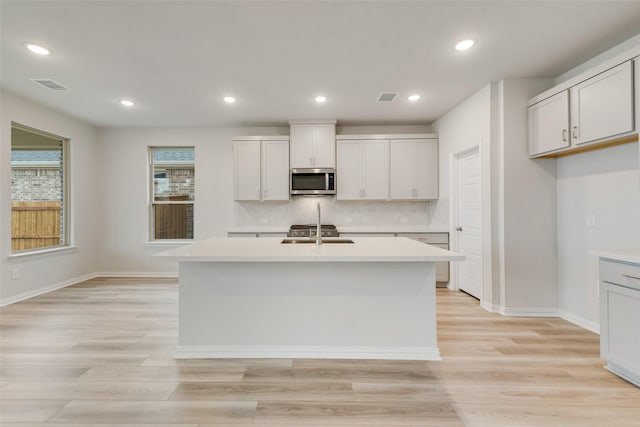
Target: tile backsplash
<point>302,210</point>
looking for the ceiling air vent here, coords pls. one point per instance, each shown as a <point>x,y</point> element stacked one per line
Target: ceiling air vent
<point>50,84</point>
<point>387,97</point>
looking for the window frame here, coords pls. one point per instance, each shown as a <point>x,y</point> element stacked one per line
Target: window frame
<point>151,199</point>
<point>65,206</point>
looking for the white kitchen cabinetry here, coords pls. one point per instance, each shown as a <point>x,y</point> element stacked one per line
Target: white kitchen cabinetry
<point>549,124</point>
<point>261,168</point>
<point>313,144</point>
<point>363,169</point>
<point>592,110</point>
<point>413,169</point>
<point>620,317</point>
<point>602,106</point>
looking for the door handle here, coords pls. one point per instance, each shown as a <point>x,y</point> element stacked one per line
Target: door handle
<point>458,228</point>
<point>564,135</point>
<point>575,132</point>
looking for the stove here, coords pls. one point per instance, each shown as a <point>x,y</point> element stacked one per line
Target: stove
<point>309,230</point>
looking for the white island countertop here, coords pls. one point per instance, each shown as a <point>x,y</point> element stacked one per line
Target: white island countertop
<point>270,249</point>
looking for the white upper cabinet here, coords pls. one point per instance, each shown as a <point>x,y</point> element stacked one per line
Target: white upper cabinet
<point>261,169</point>
<point>375,169</point>
<point>593,110</point>
<point>246,170</point>
<point>602,106</point>
<point>275,170</point>
<point>549,124</point>
<point>363,170</point>
<point>414,169</point>
<point>313,145</point>
<point>349,182</point>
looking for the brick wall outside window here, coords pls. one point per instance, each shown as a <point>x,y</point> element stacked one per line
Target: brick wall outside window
<point>28,185</point>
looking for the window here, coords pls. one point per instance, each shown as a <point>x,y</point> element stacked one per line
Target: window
<point>172,192</point>
<point>39,196</point>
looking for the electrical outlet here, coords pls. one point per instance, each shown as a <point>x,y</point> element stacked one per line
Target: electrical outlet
<point>590,220</point>
<point>404,220</point>
<point>348,220</point>
<point>15,274</point>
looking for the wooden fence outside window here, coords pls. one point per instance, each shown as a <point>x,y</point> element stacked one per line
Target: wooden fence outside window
<point>35,225</point>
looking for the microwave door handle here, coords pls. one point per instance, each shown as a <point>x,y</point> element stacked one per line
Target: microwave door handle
<point>326,181</point>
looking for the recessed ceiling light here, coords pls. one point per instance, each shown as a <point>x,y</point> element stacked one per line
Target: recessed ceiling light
<point>229,99</point>
<point>321,99</point>
<point>37,49</point>
<point>127,103</point>
<point>413,98</point>
<point>465,44</point>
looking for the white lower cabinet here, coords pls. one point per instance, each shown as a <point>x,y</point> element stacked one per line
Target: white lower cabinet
<point>260,168</point>
<point>620,318</point>
<point>440,240</point>
<point>363,170</point>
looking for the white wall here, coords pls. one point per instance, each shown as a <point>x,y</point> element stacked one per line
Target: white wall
<point>527,202</point>
<point>604,183</point>
<point>518,200</point>
<point>39,273</point>
<point>470,123</point>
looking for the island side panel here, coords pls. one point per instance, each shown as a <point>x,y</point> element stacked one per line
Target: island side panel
<point>383,310</point>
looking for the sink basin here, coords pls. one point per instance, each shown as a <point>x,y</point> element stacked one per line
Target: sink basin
<point>313,241</point>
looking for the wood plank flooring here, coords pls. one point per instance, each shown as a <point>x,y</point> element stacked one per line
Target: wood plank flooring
<point>100,354</point>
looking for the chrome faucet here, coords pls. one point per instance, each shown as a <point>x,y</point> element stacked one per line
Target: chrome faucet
<point>318,228</point>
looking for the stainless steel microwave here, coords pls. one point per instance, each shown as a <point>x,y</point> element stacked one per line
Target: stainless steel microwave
<point>313,181</point>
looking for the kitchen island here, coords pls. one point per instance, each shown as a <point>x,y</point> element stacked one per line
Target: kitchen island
<point>259,298</point>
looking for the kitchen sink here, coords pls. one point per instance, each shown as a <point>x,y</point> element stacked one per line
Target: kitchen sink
<point>313,241</point>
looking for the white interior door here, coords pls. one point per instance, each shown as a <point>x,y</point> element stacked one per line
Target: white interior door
<point>468,221</point>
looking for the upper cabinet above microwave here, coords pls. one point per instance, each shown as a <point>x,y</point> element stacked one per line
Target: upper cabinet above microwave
<point>598,111</point>
<point>313,144</point>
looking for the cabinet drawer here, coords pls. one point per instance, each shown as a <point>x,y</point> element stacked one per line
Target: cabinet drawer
<point>620,273</point>
<point>428,238</point>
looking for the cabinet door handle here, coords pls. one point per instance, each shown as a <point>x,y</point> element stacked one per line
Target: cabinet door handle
<point>628,276</point>
<point>459,228</point>
<point>575,132</point>
<point>564,135</point>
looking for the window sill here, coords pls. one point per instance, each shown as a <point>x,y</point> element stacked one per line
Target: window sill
<point>167,243</point>
<point>40,253</point>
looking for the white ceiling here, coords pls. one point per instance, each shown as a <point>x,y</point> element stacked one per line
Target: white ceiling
<point>177,59</point>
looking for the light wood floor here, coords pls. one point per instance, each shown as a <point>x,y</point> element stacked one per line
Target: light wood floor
<point>100,353</point>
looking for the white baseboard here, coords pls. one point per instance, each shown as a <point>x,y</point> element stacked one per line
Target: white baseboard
<point>580,321</point>
<point>529,312</point>
<point>169,275</point>
<point>492,308</point>
<point>623,373</point>
<point>306,352</point>
<point>46,289</point>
